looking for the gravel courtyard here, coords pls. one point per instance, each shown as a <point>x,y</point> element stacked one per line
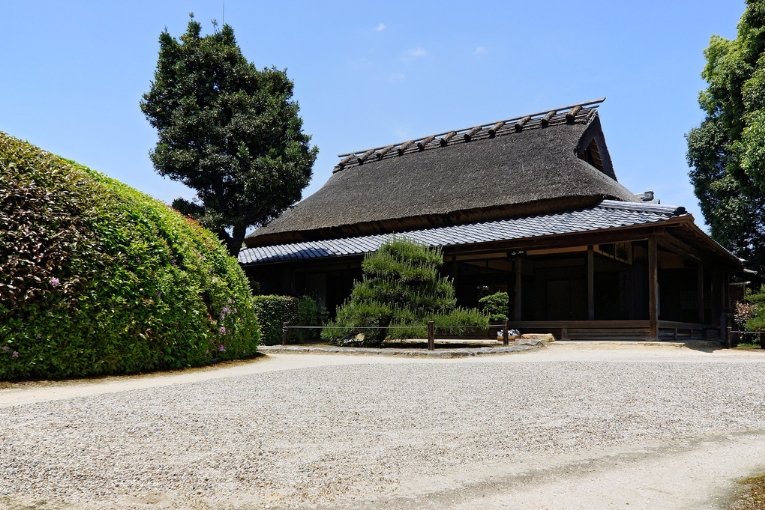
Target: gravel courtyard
<point>519,431</point>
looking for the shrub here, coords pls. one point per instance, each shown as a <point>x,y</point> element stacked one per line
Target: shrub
<point>309,313</point>
<point>400,287</point>
<point>495,306</point>
<point>98,278</point>
<point>756,320</point>
<point>461,322</point>
<point>272,312</point>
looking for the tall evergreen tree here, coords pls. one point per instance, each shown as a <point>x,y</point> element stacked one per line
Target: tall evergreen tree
<point>727,151</point>
<point>228,130</point>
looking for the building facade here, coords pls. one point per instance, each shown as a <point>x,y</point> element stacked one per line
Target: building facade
<point>529,205</point>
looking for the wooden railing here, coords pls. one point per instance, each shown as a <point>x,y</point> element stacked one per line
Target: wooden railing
<point>733,334</point>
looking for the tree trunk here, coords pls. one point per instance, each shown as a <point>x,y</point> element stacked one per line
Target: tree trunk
<point>234,243</point>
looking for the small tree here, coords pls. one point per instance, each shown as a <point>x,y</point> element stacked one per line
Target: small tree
<point>401,286</point>
<point>227,130</point>
<point>495,306</point>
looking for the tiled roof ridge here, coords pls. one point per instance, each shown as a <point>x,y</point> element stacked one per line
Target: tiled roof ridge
<point>643,206</point>
<point>570,114</point>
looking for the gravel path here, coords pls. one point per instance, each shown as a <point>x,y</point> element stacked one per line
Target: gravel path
<point>335,432</point>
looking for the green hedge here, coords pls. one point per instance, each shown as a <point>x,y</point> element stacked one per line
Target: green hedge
<point>272,312</point>
<point>98,278</point>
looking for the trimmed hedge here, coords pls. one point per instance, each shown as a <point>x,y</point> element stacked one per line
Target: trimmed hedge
<point>98,278</point>
<point>272,312</point>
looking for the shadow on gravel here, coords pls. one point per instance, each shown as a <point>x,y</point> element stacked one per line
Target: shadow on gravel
<point>703,346</point>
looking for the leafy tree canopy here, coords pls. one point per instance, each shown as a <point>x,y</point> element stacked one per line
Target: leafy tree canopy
<point>727,151</point>
<point>228,130</point>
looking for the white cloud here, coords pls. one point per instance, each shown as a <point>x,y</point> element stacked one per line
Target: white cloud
<point>397,77</point>
<point>480,50</point>
<point>380,27</point>
<point>417,52</point>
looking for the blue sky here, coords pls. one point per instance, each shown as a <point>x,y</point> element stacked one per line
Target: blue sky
<point>368,74</point>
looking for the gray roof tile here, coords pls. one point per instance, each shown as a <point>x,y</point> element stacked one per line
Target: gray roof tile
<point>607,214</point>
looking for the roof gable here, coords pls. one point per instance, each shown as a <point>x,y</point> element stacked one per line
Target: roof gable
<point>528,165</point>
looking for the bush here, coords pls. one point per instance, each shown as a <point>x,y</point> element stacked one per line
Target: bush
<point>98,278</point>
<point>756,320</point>
<point>272,312</point>
<point>400,287</point>
<point>461,322</point>
<point>309,313</point>
<point>495,306</point>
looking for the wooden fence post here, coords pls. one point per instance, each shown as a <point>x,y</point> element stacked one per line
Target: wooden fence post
<point>505,334</point>
<point>284,333</point>
<point>431,335</point>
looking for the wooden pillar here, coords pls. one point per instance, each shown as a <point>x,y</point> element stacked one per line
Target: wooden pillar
<point>716,297</point>
<point>725,292</point>
<point>700,290</point>
<point>518,263</point>
<point>653,287</point>
<point>431,335</point>
<point>590,283</point>
<point>716,303</point>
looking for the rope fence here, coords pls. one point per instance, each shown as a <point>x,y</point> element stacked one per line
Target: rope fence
<point>430,327</point>
<point>745,335</point>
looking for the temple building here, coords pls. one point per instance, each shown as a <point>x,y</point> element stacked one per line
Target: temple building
<point>528,205</point>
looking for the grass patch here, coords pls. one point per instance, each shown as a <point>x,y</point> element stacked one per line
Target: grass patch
<point>751,495</point>
<point>748,347</point>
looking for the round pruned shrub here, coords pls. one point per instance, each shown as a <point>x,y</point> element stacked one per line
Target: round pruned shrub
<point>98,278</point>
<point>495,306</point>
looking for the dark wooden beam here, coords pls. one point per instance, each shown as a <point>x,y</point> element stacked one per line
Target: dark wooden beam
<point>653,287</point>
<point>700,290</point>
<point>605,324</point>
<point>716,297</point>
<point>517,296</point>
<point>677,246</point>
<point>590,283</point>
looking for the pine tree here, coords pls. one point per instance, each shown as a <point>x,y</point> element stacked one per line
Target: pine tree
<point>401,286</point>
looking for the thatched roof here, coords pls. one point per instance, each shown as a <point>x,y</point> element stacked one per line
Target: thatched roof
<point>535,164</point>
